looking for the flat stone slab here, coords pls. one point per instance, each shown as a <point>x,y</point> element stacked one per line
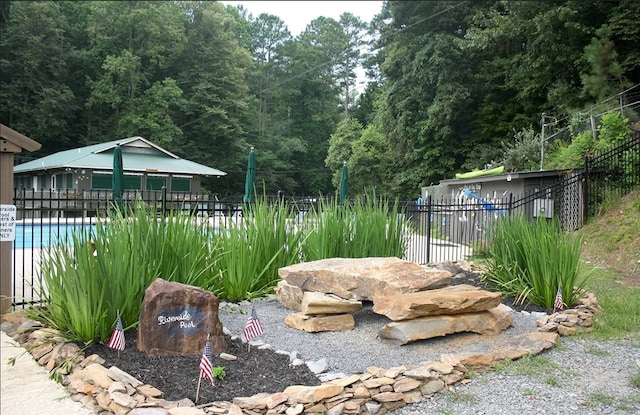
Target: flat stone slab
<point>320,303</point>
<point>313,324</point>
<point>510,348</point>
<point>289,295</point>
<point>489,322</point>
<point>364,278</point>
<point>455,299</point>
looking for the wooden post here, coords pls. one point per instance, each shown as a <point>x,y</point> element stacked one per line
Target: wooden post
<point>11,142</point>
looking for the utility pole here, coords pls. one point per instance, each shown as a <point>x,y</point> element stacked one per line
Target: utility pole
<point>542,139</point>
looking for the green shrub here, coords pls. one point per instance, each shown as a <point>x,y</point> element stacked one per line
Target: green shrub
<point>531,259</point>
<point>84,292</point>
<point>252,248</point>
<point>357,230</point>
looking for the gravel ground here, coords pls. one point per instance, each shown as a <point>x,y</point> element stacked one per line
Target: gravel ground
<point>582,376</point>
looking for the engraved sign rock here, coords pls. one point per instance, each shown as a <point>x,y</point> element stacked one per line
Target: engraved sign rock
<point>175,319</point>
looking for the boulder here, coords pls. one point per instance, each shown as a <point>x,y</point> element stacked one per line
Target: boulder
<point>509,348</point>
<point>483,322</point>
<point>289,295</point>
<point>175,320</point>
<point>455,299</point>
<point>363,278</point>
<point>319,303</point>
<point>313,324</point>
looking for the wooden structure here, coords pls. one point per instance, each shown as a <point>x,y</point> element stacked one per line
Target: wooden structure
<point>11,142</point>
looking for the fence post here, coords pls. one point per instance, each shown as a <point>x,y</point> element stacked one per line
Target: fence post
<point>585,191</point>
<point>510,207</point>
<point>164,201</point>
<point>428,229</point>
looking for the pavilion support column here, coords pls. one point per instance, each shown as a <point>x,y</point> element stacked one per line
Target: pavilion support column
<point>6,198</point>
<point>11,142</point>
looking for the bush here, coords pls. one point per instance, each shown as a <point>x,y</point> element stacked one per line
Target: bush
<point>252,248</point>
<point>87,283</point>
<point>358,230</point>
<point>84,292</point>
<point>531,259</point>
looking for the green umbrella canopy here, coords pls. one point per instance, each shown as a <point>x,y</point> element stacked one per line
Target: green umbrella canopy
<point>117,182</point>
<point>344,183</point>
<point>249,182</point>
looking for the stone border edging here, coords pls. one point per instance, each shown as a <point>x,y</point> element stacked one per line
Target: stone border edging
<point>376,392</point>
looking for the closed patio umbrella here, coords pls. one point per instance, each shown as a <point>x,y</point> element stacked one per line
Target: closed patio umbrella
<point>117,182</point>
<point>344,183</point>
<point>249,182</point>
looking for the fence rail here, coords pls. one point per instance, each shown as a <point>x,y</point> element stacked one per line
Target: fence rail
<point>439,230</point>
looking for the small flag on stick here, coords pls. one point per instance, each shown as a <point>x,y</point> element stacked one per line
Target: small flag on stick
<point>117,337</point>
<point>558,304</point>
<point>253,328</point>
<point>206,369</point>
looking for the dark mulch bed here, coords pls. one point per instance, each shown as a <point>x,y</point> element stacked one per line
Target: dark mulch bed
<point>254,372</point>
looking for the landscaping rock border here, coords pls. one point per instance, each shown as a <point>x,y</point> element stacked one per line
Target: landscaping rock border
<point>377,391</point>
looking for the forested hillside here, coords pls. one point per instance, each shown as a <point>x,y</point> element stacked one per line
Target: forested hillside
<point>450,83</point>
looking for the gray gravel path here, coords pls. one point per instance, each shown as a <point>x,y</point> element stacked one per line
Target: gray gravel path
<point>582,377</point>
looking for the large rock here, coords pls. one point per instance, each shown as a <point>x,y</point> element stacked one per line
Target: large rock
<point>483,322</point>
<point>363,278</point>
<point>176,318</point>
<point>510,348</point>
<point>455,299</point>
<point>313,324</point>
<point>289,295</point>
<point>319,303</point>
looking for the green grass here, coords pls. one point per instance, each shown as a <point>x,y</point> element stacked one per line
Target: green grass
<point>620,304</point>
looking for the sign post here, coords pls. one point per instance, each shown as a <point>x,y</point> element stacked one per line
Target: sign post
<point>11,142</point>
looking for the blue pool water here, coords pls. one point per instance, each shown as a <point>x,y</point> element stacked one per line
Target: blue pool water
<point>43,235</point>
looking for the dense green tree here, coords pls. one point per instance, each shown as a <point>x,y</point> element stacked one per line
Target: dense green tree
<point>133,94</point>
<point>353,29</point>
<point>33,70</point>
<point>371,164</point>
<point>450,83</point>
<point>426,106</point>
<point>313,105</point>
<point>347,132</point>
<point>211,72</point>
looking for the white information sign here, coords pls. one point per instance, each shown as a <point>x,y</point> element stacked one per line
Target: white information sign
<point>7,222</point>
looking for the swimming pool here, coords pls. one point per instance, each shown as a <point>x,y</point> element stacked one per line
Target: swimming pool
<point>42,235</point>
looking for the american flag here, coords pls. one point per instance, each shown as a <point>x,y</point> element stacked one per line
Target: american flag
<point>117,337</point>
<point>559,304</point>
<point>253,328</point>
<point>206,370</point>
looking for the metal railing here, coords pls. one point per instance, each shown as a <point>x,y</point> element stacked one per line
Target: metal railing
<point>439,230</point>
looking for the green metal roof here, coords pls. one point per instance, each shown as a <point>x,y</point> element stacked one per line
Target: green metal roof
<point>138,155</point>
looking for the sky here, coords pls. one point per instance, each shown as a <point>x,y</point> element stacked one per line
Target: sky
<point>298,14</point>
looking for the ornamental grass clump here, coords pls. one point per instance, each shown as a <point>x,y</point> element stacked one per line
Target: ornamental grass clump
<point>529,260</point>
<point>251,249</point>
<point>357,230</point>
<point>87,283</point>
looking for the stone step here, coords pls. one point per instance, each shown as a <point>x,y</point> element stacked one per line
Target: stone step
<point>455,299</point>
<point>483,322</point>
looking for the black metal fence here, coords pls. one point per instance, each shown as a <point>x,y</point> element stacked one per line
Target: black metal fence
<point>439,230</point>
<point>611,174</point>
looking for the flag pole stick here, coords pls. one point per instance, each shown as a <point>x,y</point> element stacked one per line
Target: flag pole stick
<point>198,388</point>
<point>123,335</point>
